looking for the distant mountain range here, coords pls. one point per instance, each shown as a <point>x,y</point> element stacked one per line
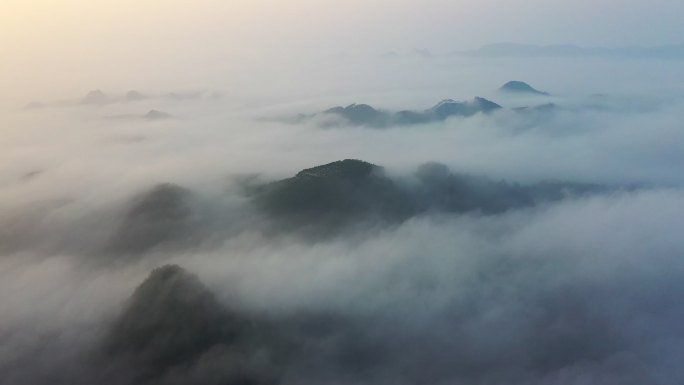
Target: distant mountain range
<point>672,52</point>
<point>151,115</point>
<point>367,116</point>
<point>417,53</point>
<point>98,98</point>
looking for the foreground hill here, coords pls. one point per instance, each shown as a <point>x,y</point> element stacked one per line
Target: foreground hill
<point>173,322</point>
<point>173,330</point>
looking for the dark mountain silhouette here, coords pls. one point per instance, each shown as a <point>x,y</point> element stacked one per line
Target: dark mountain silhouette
<point>170,318</point>
<point>322,201</point>
<point>448,108</point>
<point>173,330</point>
<point>365,115</point>
<point>337,194</point>
<point>157,115</point>
<point>172,323</point>
<point>407,118</point>
<point>164,215</point>
<point>519,87</point>
<point>439,190</point>
<point>361,114</point>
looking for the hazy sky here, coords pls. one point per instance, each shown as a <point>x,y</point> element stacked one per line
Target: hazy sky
<point>50,43</point>
<point>64,26</point>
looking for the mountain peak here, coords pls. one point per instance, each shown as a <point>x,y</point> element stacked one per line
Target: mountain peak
<point>134,95</point>
<point>157,115</point>
<point>483,104</point>
<point>348,168</point>
<point>449,107</point>
<point>359,114</point>
<point>96,97</point>
<point>171,319</point>
<point>520,87</point>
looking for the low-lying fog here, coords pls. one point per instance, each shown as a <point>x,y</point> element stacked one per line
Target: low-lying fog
<point>543,247</point>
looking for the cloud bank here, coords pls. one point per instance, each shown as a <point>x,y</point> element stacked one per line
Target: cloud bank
<point>136,251</point>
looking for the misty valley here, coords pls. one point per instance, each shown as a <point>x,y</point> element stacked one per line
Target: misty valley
<point>292,192</point>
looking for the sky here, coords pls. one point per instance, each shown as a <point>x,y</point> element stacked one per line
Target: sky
<point>56,43</point>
